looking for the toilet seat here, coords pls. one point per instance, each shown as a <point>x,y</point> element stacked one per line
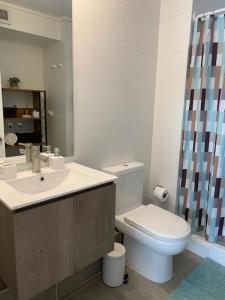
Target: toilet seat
<point>158,223</point>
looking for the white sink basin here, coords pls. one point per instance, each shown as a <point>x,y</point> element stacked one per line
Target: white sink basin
<point>39,183</point>
<point>29,188</point>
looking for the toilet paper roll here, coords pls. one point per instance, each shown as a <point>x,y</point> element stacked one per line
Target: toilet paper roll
<point>160,193</point>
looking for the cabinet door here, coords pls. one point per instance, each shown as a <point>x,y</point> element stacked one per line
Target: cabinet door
<point>44,246</point>
<point>94,213</point>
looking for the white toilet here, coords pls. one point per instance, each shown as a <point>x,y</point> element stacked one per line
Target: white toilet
<point>151,235</point>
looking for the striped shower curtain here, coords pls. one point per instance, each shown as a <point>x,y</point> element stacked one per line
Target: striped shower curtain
<point>201,189</point>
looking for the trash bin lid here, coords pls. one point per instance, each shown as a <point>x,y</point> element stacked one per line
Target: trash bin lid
<point>118,252</point>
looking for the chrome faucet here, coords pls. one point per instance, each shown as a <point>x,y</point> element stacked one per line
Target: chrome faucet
<point>26,151</point>
<point>37,157</point>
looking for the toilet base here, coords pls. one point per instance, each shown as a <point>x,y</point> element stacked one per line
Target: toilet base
<point>148,263</point>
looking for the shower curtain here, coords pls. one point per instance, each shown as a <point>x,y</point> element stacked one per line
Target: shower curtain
<point>201,190</point>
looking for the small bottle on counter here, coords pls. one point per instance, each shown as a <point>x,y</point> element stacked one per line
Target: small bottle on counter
<point>56,161</point>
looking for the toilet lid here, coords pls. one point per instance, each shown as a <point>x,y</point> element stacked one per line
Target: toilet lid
<point>157,222</point>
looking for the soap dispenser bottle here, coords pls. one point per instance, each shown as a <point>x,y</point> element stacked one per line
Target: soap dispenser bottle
<point>56,161</point>
<point>46,152</point>
<point>57,152</point>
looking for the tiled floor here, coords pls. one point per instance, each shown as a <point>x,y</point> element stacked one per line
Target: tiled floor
<point>138,287</point>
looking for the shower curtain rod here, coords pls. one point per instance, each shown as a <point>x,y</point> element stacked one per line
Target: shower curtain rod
<point>213,12</point>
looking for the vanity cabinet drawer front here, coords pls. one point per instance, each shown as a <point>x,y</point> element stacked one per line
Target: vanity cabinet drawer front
<point>44,246</point>
<point>94,221</point>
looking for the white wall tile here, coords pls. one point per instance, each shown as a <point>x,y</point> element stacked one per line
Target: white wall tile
<point>98,63</point>
<point>174,34</point>
<point>97,144</point>
<point>138,105</point>
<point>170,8</point>
<point>99,20</point>
<point>117,105</point>
<point>100,146</point>
<point>140,25</point>
<point>98,105</point>
<point>138,69</point>
<point>114,83</point>
<point>171,72</point>
<point>166,141</point>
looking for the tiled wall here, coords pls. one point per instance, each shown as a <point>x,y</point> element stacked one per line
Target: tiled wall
<point>175,23</point>
<point>115,63</point>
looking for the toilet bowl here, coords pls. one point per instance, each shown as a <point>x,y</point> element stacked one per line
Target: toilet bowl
<point>152,235</point>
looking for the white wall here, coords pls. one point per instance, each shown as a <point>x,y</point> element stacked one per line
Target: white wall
<point>68,37</point>
<point>175,23</point>
<point>23,60</point>
<point>58,84</point>
<point>32,22</point>
<point>115,50</point>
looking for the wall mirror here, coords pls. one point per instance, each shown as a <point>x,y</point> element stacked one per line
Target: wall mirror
<point>36,85</point>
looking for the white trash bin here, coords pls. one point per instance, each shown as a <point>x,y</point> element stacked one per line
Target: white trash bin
<point>114,266</point>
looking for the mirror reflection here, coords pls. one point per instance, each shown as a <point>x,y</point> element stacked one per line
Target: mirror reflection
<point>36,98</point>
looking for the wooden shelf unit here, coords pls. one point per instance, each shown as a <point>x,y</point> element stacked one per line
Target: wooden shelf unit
<point>37,100</point>
<point>19,118</point>
<point>17,90</point>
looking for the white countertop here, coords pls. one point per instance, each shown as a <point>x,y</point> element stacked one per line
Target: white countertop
<point>76,178</point>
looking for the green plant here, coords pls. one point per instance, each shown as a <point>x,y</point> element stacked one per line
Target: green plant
<point>14,81</point>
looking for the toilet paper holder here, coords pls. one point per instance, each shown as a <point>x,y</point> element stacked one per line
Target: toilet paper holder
<point>160,193</point>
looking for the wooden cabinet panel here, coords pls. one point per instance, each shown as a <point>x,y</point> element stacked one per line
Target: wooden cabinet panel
<point>43,246</point>
<point>94,218</point>
<point>7,249</point>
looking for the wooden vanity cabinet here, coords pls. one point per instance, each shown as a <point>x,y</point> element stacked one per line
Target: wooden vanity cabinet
<point>42,245</point>
<point>94,224</point>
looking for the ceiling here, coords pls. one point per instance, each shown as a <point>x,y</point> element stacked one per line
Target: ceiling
<point>58,8</point>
